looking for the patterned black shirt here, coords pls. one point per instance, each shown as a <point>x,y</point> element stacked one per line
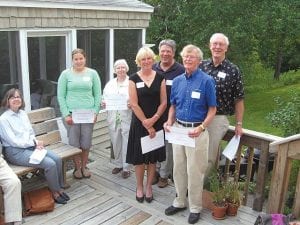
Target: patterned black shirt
<point>229,85</point>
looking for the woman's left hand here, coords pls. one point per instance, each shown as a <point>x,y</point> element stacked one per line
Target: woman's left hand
<point>152,132</point>
<point>148,123</point>
<point>39,144</point>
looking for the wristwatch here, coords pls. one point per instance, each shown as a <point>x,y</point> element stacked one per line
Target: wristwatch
<point>202,127</point>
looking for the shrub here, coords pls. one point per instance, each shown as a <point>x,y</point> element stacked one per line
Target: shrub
<point>286,115</point>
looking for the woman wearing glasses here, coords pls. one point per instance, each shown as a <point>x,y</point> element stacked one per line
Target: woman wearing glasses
<point>19,142</point>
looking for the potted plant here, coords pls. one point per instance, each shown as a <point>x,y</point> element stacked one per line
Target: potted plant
<point>211,184</point>
<point>218,196</point>
<point>233,198</point>
<point>220,204</point>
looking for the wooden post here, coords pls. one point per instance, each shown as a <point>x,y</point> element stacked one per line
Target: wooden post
<point>296,207</point>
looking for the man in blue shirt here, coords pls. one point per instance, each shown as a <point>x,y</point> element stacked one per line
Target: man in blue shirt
<point>193,106</point>
<point>169,68</point>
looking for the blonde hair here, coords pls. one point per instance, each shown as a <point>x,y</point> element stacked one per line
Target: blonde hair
<point>142,53</point>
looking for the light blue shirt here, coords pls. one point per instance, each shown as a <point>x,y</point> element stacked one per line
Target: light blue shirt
<point>16,129</point>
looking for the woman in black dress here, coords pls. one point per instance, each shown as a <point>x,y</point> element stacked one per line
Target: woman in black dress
<point>148,100</point>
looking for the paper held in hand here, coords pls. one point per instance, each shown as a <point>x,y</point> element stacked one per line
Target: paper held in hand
<point>232,147</point>
<point>37,156</point>
<point>149,144</point>
<point>180,136</point>
<point>116,102</point>
<point>83,116</point>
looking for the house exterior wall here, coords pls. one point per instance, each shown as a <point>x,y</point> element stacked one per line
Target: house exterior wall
<point>15,18</point>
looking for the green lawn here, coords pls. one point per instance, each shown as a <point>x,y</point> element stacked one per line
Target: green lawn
<point>259,104</point>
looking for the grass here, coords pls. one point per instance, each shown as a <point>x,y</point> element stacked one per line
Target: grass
<point>259,103</point>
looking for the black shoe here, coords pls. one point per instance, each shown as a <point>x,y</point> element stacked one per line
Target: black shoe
<point>60,200</point>
<point>139,199</point>
<point>173,210</point>
<point>149,199</point>
<point>65,196</point>
<point>193,218</point>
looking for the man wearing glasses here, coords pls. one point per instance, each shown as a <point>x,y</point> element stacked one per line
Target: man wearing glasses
<point>229,92</point>
<point>193,106</point>
<point>169,68</point>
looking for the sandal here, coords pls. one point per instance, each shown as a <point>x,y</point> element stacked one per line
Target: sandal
<point>86,172</point>
<point>77,174</point>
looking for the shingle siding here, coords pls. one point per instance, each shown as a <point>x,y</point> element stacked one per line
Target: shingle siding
<point>22,17</point>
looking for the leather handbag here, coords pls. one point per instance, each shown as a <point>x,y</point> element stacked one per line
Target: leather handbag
<point>38,201</point>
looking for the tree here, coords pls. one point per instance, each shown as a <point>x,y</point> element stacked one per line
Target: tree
<point>268,29</point>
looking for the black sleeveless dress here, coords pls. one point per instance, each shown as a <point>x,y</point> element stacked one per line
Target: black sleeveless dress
<point>149,101</point>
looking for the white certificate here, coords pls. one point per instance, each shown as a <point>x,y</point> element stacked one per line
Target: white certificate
<point>149,144</point>
<point>232,147</point>
<point>83,116</point>
<point>116,102</point>
<point>179,136</point>
<point>37,156</point>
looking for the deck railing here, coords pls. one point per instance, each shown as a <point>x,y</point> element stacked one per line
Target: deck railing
<point>285,150</point>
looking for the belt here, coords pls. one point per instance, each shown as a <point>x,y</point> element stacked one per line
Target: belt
<point>188,124</point>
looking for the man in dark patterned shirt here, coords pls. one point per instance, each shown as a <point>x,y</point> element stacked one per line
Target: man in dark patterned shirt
<point>229,92</point>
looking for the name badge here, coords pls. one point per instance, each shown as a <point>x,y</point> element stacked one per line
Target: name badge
<point>86,78</point>
<point>169,82</point>
<point>196,94</point>
<point>222,75</point>
<point>140,85</point>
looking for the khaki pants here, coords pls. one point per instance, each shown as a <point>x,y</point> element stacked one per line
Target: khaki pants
<point>217,129</point>
<point>189,167</point>
<point>11,187</point>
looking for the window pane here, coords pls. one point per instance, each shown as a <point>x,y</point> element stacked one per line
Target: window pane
<point>46,57</point>
<point>127,43</point>
<point>9,61</point>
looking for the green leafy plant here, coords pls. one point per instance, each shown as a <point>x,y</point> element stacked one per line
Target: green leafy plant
<point>287,114</point>
<point>233,193</point>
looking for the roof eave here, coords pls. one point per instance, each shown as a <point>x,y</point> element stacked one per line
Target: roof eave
<point>150,9</point>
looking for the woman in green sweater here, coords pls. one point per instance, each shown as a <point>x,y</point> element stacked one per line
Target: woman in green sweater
<point>79,96</point>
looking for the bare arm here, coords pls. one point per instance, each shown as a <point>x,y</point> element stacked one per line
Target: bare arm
<point>171,118</point>
<point>239,113</point>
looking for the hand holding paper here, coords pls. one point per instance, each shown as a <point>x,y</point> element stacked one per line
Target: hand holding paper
<point>37,156</point>
<point>232,147</point>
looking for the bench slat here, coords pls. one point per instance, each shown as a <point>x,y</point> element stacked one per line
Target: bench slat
<point>45,127</point>
<point>40,115</point>
<point>50,138</point>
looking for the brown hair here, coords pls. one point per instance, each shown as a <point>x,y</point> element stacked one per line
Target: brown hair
<point>11,93</point>
<point>78,50</point>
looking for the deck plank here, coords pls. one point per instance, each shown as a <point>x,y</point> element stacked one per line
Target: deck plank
<point>109,199</point>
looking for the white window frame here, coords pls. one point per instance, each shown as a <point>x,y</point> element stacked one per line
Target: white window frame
<point>71,43</point>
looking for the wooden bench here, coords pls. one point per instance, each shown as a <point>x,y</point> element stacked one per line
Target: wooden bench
<point>44,123</point>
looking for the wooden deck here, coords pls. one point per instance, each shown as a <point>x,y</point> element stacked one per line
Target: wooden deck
<point>109,199</point>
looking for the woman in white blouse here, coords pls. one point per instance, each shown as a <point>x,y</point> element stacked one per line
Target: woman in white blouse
<point>118,120</point>
<point>19,142</point>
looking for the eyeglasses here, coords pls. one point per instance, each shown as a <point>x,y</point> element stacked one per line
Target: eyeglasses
<point>14,97</point>
<point>190,57</point>
<point>218,43</point>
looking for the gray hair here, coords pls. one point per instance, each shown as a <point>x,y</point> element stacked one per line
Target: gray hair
<point>192,48</point>
<point>215,35</point>
<point>119,62</point>
<point>169,42</point>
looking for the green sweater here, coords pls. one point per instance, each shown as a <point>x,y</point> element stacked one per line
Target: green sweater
<point>78,91</point>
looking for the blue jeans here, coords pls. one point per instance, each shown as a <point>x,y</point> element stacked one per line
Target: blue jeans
<point>51,164</point>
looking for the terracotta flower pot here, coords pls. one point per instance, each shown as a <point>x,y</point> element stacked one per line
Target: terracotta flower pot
<point>207,199</point>
<point>232,209</point>
<point>219,212</point>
